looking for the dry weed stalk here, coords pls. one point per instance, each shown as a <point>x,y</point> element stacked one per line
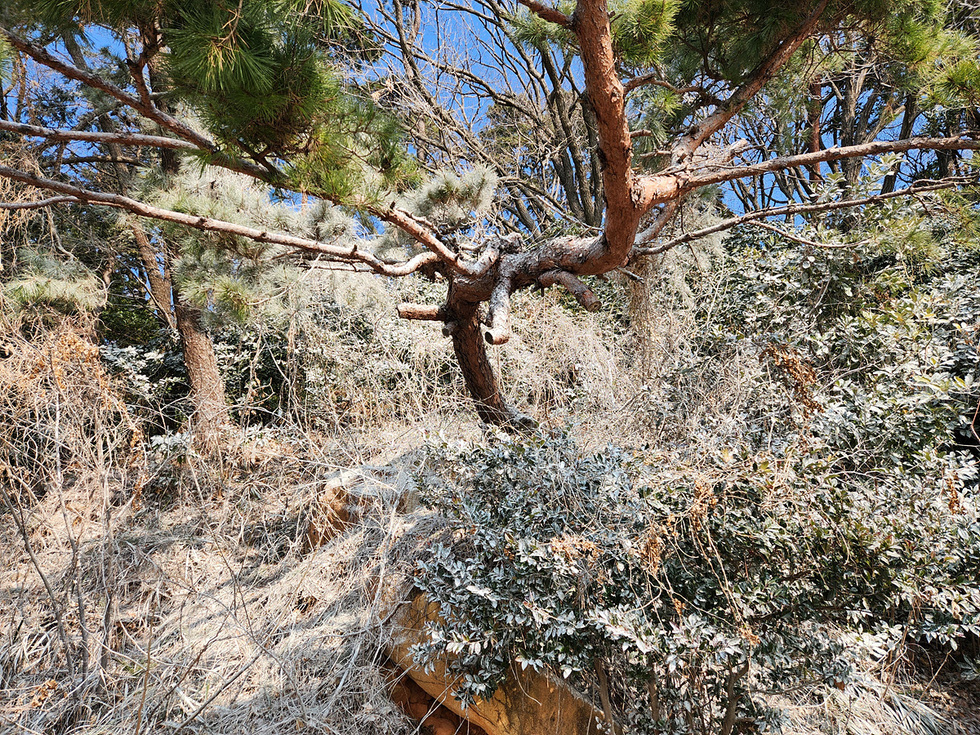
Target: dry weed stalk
<point>182,600</point>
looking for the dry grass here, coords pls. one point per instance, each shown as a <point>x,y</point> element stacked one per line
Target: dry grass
<point>164,593</point>
<point>169,594</point>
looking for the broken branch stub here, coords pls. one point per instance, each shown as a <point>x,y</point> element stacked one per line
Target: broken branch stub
<point>422,312</point>
<point>498,330</point>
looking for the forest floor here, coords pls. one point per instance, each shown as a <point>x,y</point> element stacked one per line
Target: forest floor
<point>250,593</point>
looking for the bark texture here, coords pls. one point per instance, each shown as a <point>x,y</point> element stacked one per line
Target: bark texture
<point>207,388</point>
<point>481,380</point>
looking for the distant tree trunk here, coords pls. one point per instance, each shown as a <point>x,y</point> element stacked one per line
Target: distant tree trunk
<point>814,109</point>
<point>160,287</point>
<point>207,387</point>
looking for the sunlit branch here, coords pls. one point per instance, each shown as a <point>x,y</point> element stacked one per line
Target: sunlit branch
<point>757,79</point>
<point>864,150</point>
<point>134,139</point>
<point>803,240</point>
<point>422,312</point>
<point>498,331</point>
<point>546,12</point>
<point>917,188</point>
<point>94,81</point>
<point>334,252</point>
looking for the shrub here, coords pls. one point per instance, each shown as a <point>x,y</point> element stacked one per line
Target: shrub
<point>690,592</point>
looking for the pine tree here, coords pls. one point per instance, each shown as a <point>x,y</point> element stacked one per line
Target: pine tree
<point>669,89</point>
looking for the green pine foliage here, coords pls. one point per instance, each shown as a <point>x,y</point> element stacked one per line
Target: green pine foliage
<point>45,282</point>
<point>254,81</point>
<point>642,29</point>
<point>451,202</point>
<point>264,79</point>
<point>231,278</point>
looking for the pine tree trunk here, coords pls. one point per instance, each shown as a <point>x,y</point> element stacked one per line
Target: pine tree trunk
<point>207,388</point>
<point>160,286</point>
<point>481,381</point>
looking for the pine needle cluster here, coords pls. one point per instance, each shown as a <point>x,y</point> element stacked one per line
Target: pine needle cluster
<point>46,282</point>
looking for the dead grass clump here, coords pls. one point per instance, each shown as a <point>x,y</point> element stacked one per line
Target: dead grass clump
<point>560,360</point>
<point>200,611</point>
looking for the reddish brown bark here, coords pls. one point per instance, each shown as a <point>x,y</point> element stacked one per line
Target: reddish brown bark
<point>478,374</point>
<point>207,388</point>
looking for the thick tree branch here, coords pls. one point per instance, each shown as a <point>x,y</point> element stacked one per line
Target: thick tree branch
<point>582,293</point>
<point>208,224</point>
<point>498,331</point>
<point>758,78</point>
<point>607,98</point>
<point>548,13</point>
<point>666,186</point>
<point>422,232</point>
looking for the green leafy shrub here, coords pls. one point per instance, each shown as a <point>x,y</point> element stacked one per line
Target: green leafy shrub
<point>695,590</point>
<point>777,543</point>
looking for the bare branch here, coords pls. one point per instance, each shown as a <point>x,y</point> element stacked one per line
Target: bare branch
<point>207,224</point>
<point>135,139</point>
<point>805,241</point>
<point>75,160</point>
<point>673,182</point>
<point>42,56</point>
<point>917,188</point>
<point>39,204</point>
<point>660,221</point>
<point>864,150</point>
<point>654,80</point>
<point>422,231</point>
<point>146,109</point>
